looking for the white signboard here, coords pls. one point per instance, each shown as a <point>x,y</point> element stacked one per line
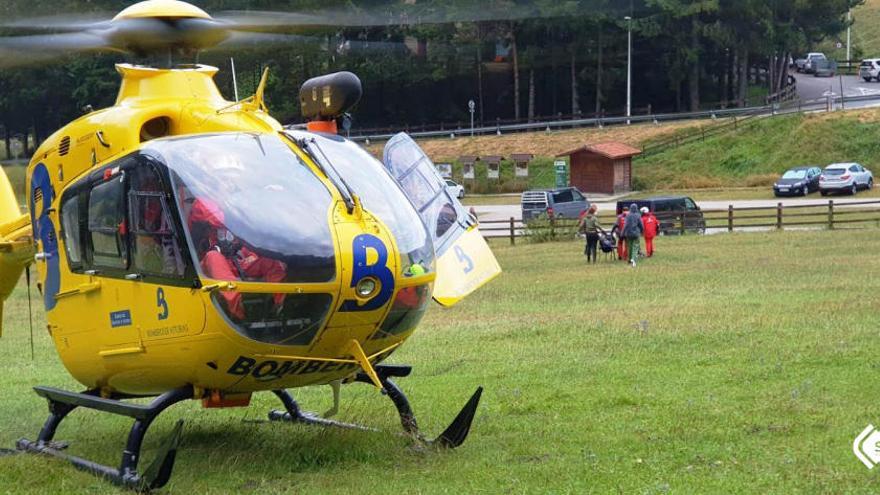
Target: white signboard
<point>468,170</point>
<point>522,169</point>
<point>445,170</point>
<point>492,170</point>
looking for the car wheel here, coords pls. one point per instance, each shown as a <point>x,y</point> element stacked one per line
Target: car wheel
<point>823,193</point>
<point>854,189</point>
<point>867,79</point>
<point>806,190</point>
<point>870,184</point>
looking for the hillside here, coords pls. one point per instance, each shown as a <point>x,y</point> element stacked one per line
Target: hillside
<point>542,143</point>
<point>866,28</point>
<point>756,155</point>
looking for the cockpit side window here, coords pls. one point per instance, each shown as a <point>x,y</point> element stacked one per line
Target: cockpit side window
<point>71,229</point>
<point>155,241</point>
<point>107,226</point>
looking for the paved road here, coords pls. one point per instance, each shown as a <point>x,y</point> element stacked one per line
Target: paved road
<point>814,88</point>
<point>504,212</point>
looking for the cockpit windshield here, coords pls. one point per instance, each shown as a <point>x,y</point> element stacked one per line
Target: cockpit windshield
<point>379,194</point>
<point>253,211</point>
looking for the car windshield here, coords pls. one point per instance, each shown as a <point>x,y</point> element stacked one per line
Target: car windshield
<point>834,171</point>
<point>253,211</point>
<point>794,174</point>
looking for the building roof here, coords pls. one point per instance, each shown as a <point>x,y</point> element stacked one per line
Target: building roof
<point>611,150</point>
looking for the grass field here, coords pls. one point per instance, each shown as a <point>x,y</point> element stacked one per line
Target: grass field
<point>736,363</point>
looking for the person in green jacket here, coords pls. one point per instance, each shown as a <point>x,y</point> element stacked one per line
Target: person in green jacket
<point>589,225</point>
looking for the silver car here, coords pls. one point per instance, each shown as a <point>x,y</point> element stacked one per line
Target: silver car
<point>845,178</point>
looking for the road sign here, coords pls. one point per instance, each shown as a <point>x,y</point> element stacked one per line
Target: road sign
<point>561,173</point>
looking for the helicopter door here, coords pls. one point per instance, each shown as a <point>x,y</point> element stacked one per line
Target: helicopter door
<point>464,260</point>
<point>163,305</point>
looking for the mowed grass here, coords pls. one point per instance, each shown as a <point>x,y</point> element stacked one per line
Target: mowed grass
<point>741,363</point>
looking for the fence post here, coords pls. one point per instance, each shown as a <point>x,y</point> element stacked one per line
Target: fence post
<point>730,218</point>
<point>830,213</point>
<point>512,233</point>
<point>779,216</point>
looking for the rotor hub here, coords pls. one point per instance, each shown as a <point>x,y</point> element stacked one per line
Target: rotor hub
<point>162,9</point>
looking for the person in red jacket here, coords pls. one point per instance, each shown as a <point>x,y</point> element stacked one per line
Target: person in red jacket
<point>652,226</point>
<point>621,242</point>
<point>223,257</point>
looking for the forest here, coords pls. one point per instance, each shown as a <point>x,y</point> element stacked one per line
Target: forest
<point>421,61</point>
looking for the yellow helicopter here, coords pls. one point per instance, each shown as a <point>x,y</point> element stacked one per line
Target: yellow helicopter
<point>190,247</point>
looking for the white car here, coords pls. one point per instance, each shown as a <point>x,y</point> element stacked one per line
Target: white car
<point>845,177</point>
<point>455,189</point>
<point>870,69</point>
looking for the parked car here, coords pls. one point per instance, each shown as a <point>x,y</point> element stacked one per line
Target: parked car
<point>809,65</point>
<point>798,181</point>
<point>669,211</point>
<point>846,178</point>
<point>566,202</point>
<point>870,69</point>
<point>823,68</point>
<point>799,64</point>
<point>455,189</point>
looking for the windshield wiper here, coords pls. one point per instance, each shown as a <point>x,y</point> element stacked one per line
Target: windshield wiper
<point>309,146</point>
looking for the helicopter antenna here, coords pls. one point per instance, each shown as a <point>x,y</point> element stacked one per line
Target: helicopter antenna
<point>234,80</point>
<point>27,277</point>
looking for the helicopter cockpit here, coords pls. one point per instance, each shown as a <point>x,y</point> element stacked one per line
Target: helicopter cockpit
<point>247,209</point>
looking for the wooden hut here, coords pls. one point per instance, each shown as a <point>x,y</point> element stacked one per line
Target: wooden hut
<point>604,168</point>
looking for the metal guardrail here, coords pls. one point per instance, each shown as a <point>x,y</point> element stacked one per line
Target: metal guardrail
<point>792,106</point>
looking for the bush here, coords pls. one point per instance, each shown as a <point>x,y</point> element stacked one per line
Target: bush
<point>542,229</point>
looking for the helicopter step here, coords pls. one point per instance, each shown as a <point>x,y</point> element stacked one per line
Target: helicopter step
<point>62,402</point>
<point>454,435</point>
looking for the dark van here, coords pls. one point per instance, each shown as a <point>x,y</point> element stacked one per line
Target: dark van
<point>669,211</point>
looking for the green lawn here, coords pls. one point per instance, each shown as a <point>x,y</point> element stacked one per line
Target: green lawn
<point>738,363</point>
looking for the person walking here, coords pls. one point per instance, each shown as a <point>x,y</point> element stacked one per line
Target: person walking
<point>632,230</point>
<point>618,230</point>
<point>589,225</point>
<point>651,226</point>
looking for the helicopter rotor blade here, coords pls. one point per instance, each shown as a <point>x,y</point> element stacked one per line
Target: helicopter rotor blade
<point>390,15</point>
<point>62,23</point>
<point>24,50</point>
<point>241,39</point>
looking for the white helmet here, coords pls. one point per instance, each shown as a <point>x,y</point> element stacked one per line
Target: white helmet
<point>644,209</point>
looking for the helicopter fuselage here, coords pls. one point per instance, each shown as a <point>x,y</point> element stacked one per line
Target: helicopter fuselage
<point>140,299</point>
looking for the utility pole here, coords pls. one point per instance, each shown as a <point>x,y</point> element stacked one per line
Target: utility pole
<point>629,48</point>
<point>849,35</point>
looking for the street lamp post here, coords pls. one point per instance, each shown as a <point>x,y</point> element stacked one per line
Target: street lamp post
<point>629,68</point>
<point>471,107</point>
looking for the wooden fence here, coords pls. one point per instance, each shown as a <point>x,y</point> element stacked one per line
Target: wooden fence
<point>826,215</point>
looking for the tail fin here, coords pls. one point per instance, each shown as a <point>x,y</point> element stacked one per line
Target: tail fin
<point>16,243</point>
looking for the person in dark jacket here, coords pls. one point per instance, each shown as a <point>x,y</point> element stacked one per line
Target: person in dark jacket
<point>632,230</point>
<point>589,226</point>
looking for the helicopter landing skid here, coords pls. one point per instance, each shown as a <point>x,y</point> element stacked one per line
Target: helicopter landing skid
<point>62,402</point>
<point>454,435</point>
